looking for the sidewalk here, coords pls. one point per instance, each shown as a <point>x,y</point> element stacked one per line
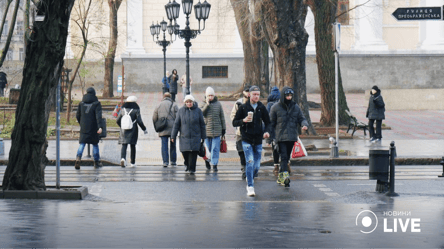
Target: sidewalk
<point>416,134</point>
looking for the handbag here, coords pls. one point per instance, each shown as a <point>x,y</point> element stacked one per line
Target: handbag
<point>162,122</point>
<point>223,145</point>
<point>298,150</point>
<point>202,150</point>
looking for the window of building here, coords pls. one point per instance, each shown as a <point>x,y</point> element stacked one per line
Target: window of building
<point>5,28</point>
<point>9,55</point>
<point>343,12</point>
<point>215,72</point>
<point>22,54</point>
<point>20,28</point>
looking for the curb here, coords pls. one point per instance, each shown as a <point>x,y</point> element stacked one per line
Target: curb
<point>64,193</point>
<point>356,161</point>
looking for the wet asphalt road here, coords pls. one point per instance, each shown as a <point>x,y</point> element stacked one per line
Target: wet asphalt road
<point>216,213</point>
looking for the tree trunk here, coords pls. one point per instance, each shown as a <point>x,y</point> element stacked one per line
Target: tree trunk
<point>5,14</point>
<point>26,23</point>
<point>112,47</point>
<point>286,35</point>
<point>41,73</point>
<point>11,31</point>
<point>252,37</point>
<point>324,14</point>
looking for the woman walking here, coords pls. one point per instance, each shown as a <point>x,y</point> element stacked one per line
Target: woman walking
<point>174,77</point>
<point>375,112</point>
<point>272,99</point>
<point>191,125</point>
<point>129,114</point>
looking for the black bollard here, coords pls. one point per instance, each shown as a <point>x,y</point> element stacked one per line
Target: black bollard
<point>442,163</point>
<point>392,170</point>
<point>89,153</point>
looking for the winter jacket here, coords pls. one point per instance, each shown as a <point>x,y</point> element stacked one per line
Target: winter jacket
<point>89,116</point>
<point>130,136</point>
<point>252,132</point>
<point>273,98</point>
<point>191,125</point>
<point>173,83</point>
<point>236,106</point>
<point>3,80</point>
<point>376,107</point>
<point>214,118</point>
<point>166,80</point>
<point>163,110</point>
<point>285,119</point>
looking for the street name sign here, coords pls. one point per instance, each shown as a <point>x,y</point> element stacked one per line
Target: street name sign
<point>418,13</point>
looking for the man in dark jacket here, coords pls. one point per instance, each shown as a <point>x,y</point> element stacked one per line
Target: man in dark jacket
<point>272,99</point>
<point>89,116</point>
<point>375,112</point>
<point>174,77</point>
<point>285,117</point>
<point>3,83</point>
<point>249,117</point>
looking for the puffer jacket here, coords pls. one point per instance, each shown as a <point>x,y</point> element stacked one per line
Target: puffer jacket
<point>173,83</point>
<point>191,125</point>
<point>130,136</point>
<point>89,116</point>
<point>376,107</point>
<point>285,119</point>
<point>273,98</point>
<point>252,132</point>
<point>214,117</point>
<point>162,111</point>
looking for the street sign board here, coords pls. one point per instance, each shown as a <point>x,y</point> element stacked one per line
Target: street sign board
<point>119,83</point>
<point>418,13</point>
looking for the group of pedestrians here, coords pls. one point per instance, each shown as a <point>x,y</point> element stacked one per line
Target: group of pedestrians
<point>170,83</point>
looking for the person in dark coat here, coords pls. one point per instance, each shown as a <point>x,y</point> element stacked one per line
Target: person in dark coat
<point>375,112</point>
<point>272,99</point>
<point>167,109</point>
<point>89,116</point>
<point>285,117</point>
<point>191,125</point>
<point>3,83</point>
<point>252,133</point>
<point>174,77</point>
<point>166,82</point>
<point>130,136</point>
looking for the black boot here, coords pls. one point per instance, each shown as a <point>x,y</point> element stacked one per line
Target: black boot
<point>98,164</point>
<point>208,164</point>
<point>77,164</point>
<point>215,168</point>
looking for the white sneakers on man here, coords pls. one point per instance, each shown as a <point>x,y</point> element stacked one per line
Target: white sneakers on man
<point>250,191</point>
<point>123,162</point>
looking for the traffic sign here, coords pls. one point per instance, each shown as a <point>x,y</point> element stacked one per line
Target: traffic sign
<point>418,13</point>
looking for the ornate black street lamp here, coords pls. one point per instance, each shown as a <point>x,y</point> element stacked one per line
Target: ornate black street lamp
<point>202,11</point>
<point>155,31</point>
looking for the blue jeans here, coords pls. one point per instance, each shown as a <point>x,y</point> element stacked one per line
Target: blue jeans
<point>96,154</point>
<point>253,154</point>
<point>165,158</point>
<point>213,145</point>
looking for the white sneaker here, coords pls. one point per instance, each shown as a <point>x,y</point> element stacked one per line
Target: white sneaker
<point>122,162</point>
<point>132,165</point>
<point>250,191</point>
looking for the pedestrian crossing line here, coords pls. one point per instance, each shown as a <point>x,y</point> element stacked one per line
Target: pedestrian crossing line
<point>325,190</point>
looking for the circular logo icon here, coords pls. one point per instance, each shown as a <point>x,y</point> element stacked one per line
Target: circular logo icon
<point>367,221</point>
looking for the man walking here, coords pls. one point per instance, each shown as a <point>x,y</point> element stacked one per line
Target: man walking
<point>240,150</point>
<point>89,116</point>
<point>215,126</point>
<point>285,117</point>
<point>167,109</point>
<point>250,117</point>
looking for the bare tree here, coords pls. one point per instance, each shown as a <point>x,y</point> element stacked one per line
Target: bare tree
<point>42,71</point>
<point>11,29</point>
<point>112,47</point>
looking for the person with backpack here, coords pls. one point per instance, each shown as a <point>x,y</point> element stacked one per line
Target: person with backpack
<point>250,118</point>
<point>3,83</point>
<point>89,116</point>
<point>191,125</point>
<point>128,119</point>
<point>272,99</point>
<point>285,117</point>
<point>167,109</point>
<point>240,150</point>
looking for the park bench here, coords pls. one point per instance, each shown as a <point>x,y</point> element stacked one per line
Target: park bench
<point>355,124</point>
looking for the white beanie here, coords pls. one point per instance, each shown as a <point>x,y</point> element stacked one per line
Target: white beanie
<point>188,97</point>
<point>131,99</point>
<point>209,91</point>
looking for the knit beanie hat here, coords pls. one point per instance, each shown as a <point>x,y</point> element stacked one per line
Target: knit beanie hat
<point>131,99</point>
<point>188,97</point>
<point>209,91</point>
